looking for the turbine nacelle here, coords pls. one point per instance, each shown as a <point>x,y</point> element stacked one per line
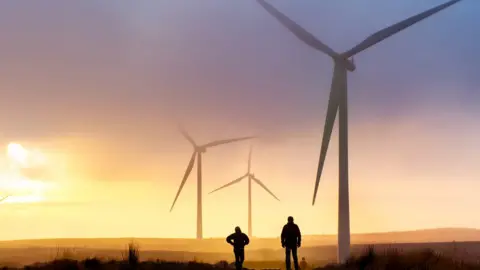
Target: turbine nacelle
<point>346,63</point>
<point>200,149</point>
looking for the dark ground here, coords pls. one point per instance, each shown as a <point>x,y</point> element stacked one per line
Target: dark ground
<point>391,259</point>
<point>464,255</point>
<point>265,258</point>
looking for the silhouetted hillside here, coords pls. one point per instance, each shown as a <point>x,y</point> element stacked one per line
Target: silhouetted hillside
<point>218,244</point>
<point>391,259</point>
<point>317,249</point>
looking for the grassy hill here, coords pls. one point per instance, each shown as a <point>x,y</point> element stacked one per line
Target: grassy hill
<point>218,244</point>
<point>369,258</point>
<point>317,249</point>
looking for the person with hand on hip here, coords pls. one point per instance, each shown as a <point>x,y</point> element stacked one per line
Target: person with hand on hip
<point>238,240</point>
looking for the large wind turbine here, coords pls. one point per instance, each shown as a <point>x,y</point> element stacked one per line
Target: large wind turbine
<point>198,150</point>
<point>338,101</point>
<point>250,176</point>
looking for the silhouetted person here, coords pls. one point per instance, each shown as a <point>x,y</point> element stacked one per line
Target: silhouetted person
<point>238,240</point>
<point>291,240</point>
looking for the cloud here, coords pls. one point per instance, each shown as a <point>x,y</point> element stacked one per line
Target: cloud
<point>126,75</point>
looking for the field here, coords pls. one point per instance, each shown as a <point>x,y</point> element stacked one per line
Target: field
<point>262,253</point>
<point>267,258</point>
<point>369,258</point>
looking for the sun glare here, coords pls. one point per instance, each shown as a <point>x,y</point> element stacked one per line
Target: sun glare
<point>19,187</point>
<point>17,153</point>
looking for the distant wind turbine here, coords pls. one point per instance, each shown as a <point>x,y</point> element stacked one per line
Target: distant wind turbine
<point>338,101</point>
<point>198,150</point>
<point>250,177</point>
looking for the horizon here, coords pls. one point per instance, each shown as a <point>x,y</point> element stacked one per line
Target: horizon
<point>91,106</point>
<point>252,237</point>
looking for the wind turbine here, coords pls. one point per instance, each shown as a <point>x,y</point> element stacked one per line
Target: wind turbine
<point>198,150</point>
<point>250,176</point>
<point>338,101</point>
<point>4,198</point>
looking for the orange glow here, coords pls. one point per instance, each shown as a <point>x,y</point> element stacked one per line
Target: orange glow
<point>399,183</point>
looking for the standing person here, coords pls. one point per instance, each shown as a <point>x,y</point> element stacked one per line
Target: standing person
<point>238,240</point>
<point>303,264</point>
<point>291,240</point>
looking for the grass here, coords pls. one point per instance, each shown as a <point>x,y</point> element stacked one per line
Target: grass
<point>370,259</point>
<point>392,259</point>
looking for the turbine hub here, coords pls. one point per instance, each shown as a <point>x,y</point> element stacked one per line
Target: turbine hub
<point>346,63</point>
<point>201,149</point>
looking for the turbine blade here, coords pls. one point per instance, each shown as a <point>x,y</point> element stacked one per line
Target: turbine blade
<point>187,136</point>
<point>219,142</point>
<point>185,176</point>
<point>2,199</point>
<point>393,29</point>
<point>264,187</point>
<point>339,74</point>
<point>297,30</point>
<point>229,184</point>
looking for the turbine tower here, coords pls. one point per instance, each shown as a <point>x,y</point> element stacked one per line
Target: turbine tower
<point>338,101</point>
<point>250,176</point>
<point>198,150</point>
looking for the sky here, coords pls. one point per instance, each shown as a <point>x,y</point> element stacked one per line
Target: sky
<point>94,91</point>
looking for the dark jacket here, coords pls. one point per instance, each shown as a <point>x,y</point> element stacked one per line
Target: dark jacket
<point>291,236</point>
<point>238,240</point>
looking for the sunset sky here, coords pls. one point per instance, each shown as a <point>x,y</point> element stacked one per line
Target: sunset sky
<point>92,92</point>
